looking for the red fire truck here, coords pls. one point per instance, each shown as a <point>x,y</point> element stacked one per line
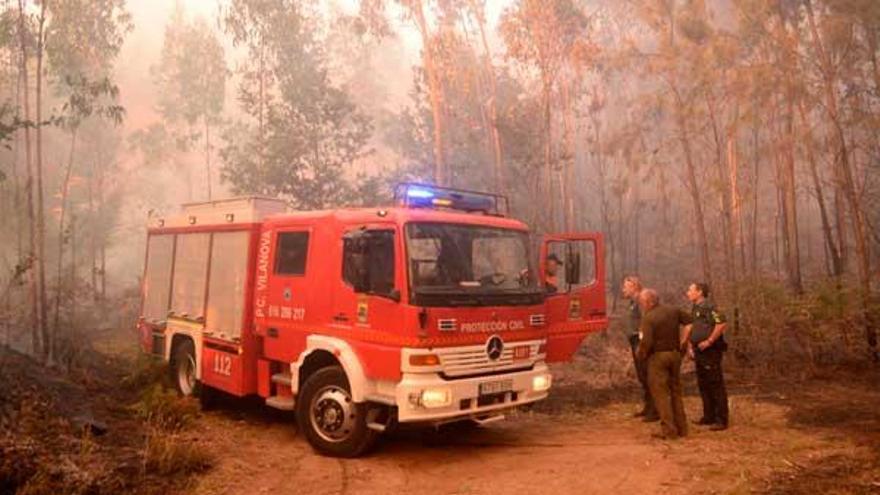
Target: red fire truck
<point>430,311</point>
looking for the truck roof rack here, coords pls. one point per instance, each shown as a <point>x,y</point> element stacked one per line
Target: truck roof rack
<point>420,195</point>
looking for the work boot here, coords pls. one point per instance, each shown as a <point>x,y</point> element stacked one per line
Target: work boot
<point>718,427</point>
<point>704,421</point>
<point>641,413</point>
<point>651,418</point>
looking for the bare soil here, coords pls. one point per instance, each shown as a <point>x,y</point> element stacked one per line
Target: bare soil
<point>820,435</point>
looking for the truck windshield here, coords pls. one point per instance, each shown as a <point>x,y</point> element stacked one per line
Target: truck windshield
<point>454,264</point>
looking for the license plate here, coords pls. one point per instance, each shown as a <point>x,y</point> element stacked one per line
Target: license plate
<point>496,387</point>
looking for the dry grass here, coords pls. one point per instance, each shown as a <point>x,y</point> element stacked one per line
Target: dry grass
<point>43,448</point>
<point>162,409</point>
<point>174,454</point>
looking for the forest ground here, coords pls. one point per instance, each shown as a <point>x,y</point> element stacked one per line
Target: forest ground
<point>817,436</point>
<point>814,435</point>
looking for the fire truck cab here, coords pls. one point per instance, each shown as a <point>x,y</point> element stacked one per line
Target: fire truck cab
<point>429,311</point>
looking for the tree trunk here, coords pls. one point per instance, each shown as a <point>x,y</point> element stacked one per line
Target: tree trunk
<point>93,233</point>
<point>791,240</point>
<point>102,238</point>
<point>16,153</point>
<point>65,191</point>
<point>37,343</point>
<point>489,69</point>
<point>261,159</point>
<point>693,187</point>
<point>604,210</point>
<point>435,88</point>
<point>41,217</point>
<point>208,154</point>
<point>567,180</point>
<point>722,174</point>
<point>550,205</point>
<point>755,197</point>
<point>830,246</point>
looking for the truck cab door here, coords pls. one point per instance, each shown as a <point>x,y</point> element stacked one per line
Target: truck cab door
<point>576,306</point>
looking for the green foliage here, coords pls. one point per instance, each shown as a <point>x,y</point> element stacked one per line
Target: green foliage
<point>91,98</point>
<point>83,37</point>
<point>299,143</point>
<point>191,75</point>
<point>542,32</point>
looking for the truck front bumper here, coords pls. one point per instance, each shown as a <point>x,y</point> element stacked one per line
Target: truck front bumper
<point>427,397</point>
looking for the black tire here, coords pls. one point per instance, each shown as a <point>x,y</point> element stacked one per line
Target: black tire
<point>183,363</point>
<point>327,390</point>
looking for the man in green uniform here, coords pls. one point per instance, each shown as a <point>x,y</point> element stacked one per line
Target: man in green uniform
<point>662,345</point>
<point>631,289</point>
<point>706,345</point>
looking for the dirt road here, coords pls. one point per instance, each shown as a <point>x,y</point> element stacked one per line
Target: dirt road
<point>581,441</point>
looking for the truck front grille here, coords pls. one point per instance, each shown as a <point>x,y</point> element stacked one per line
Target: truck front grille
<point>472,360</point>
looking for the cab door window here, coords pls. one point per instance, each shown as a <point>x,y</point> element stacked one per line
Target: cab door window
<point>583,254</point>
<point>568,258</point>
<point>291,253</point>
<point>368,261</point>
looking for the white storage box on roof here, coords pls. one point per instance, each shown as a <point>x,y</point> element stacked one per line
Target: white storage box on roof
<point>248,209</point>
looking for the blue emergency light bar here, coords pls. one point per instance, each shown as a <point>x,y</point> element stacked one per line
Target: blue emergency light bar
<point>416,195</point>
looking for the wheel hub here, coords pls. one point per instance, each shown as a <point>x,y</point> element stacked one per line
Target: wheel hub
<point>333,414</point>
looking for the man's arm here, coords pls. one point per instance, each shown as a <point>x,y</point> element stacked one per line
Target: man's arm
<point>685,336</point>
<point>646,343</point>
<point>717,332</point>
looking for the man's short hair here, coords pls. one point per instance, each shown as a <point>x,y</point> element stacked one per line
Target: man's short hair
<point>635,280</point>
<point>553,257</point>
<point>703,287</point>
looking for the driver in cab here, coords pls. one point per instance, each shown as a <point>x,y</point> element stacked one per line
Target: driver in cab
<point>551,273</point>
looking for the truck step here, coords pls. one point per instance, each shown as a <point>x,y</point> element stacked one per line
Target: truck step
<point>282,378</point>
<point>281,402</point>
<point>485,420</point>
<point>377,427</point>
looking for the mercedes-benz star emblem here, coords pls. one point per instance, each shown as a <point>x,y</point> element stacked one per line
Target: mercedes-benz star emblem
<point>494,347</point>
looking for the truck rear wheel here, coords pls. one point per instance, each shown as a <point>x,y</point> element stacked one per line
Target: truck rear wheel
<point>332,422</point>
<point>183,368</point>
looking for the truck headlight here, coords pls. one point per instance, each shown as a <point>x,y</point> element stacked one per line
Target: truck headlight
<point>542,382</point>
<point>436,397</point>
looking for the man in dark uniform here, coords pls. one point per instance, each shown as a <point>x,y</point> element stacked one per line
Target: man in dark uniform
<point>632,287</point>
<point>662,344</point>
<point>706,345</point>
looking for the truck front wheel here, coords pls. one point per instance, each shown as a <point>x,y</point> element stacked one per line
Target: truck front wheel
<point>331,421</point>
